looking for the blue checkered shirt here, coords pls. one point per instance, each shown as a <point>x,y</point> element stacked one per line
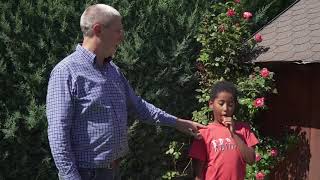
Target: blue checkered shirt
<point>87,109</point>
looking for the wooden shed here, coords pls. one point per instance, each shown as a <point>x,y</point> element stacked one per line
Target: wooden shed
<point>292,43</point>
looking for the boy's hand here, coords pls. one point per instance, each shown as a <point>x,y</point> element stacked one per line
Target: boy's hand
<point>190,127</point>
<point>228,122</point>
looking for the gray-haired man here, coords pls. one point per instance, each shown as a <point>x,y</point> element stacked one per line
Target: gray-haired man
<point>88,101</point>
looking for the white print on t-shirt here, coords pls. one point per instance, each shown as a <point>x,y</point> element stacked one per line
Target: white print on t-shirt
<point>223,144</point>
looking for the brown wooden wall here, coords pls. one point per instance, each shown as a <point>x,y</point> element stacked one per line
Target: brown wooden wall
<point>297,106</point>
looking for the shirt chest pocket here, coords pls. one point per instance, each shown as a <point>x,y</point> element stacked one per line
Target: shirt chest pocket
<point>89,91</point>
<point>104,92</point>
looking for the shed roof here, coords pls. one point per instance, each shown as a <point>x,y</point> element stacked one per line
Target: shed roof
<point>293,36</point>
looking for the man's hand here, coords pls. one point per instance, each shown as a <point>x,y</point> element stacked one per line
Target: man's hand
<point>190,127</point>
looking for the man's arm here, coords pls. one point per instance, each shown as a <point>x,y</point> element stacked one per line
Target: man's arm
<point>59,112</point>
<point>151,114</point>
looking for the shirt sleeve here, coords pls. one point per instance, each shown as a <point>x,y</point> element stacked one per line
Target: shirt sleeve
<point>250,138</point>
<point>59,110</point>
<point>146,111</point>
<point>198,150</point>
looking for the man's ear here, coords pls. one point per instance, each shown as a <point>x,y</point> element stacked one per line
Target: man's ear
<point>97,28</point>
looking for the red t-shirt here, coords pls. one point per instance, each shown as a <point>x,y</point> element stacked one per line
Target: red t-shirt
<point>220,152</point>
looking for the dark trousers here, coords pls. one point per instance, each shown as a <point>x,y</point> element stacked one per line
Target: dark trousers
<point>100,174</point>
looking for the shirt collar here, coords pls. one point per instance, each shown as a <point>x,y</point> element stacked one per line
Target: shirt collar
<point>88,55</point>
<point>108,59</point>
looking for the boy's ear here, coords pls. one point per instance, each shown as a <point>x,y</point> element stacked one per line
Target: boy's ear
<point>211,104</point>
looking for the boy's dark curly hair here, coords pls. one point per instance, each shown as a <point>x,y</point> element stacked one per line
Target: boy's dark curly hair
<point>224,86</point>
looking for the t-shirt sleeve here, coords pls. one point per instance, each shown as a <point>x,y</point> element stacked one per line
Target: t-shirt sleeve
<point>198,150</point>
<point>250,138</point>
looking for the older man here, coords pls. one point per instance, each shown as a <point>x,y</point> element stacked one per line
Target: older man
<point>88,102</point>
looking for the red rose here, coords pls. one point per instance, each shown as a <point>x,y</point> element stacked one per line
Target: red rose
<point>259,102</point>
<point>231,12</point>
<point>247,15</point>
<point>274,152</point>
<point>265,72</point>
<point>260,175</point>
<point>258,157</point>
<point>258,38</point>
<point>237,1</point>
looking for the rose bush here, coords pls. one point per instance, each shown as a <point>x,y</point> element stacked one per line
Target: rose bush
<point>226,53</point>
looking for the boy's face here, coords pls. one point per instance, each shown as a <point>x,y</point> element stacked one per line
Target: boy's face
<point>222,106</point>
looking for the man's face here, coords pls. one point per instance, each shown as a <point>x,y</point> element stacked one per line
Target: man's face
<point>111,36</point>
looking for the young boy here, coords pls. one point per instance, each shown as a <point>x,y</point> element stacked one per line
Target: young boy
<point>226,145</point>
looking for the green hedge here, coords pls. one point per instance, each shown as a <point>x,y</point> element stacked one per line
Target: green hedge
<point>158,57</point>
<point>34,36</point>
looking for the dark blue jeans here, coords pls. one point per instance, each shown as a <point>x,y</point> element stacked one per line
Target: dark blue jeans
<point>100,174</point>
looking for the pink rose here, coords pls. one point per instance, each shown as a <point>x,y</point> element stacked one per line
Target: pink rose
<point>258,157</point>
<point>260,175</point>
<point>237,1</point>
<point>231,12</point>
<point>274,152</point>
<point>258,38</point>
<point>265,72</point>
<point>247,15</point>
<point>259,102</point>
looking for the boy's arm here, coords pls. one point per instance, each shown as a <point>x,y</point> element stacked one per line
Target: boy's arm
<point>198,167</point>
<point>198,153</point>
<point>248,153</point>
<point>247,149</point>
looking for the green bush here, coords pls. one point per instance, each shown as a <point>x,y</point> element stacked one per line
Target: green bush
<point>34,35</point>
<point>158,57</point>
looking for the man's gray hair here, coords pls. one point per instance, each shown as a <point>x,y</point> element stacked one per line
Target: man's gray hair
<point>98,13</point>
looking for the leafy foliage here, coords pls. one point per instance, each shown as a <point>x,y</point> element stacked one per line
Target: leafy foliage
<point>33,36</point>
<point>265,11</point>
<point>158,57</point>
